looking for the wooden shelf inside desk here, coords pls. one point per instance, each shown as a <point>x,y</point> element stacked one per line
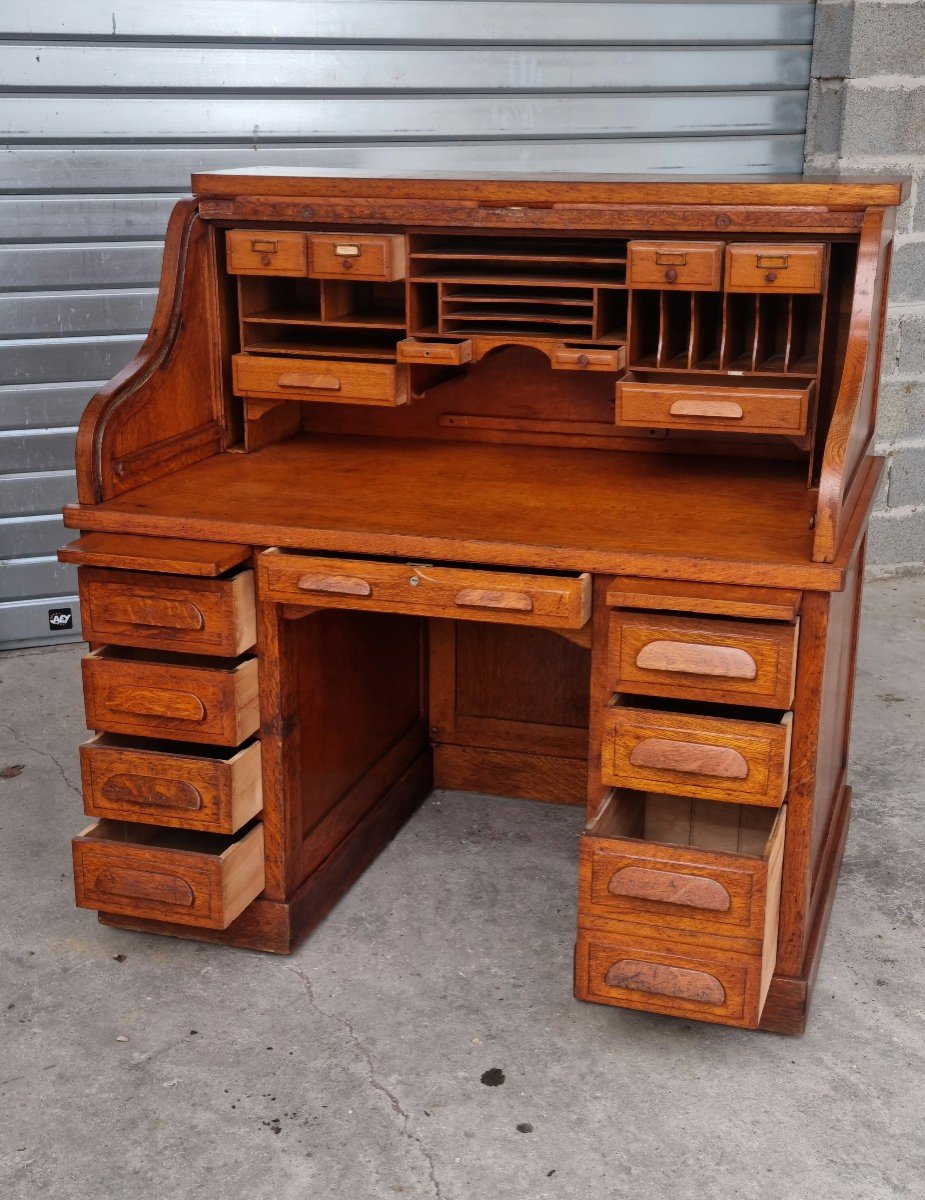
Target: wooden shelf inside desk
<point>701,518</point>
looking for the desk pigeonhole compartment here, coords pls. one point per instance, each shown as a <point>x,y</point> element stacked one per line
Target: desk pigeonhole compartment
<point>678,906</point>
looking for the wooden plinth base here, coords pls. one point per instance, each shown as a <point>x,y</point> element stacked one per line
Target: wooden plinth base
<point>278,927</point>
<point>787,1006</point>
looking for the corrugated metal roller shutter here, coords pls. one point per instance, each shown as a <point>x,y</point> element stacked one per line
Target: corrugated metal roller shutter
<point>109,107</point>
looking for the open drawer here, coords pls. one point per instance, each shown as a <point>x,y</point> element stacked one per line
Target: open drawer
<point>678,906</point>
<point>331,380</point>
<point>171,696</point>
<point>169,612</point>
<point>169,783</point>
<point>419,589</point>
<point>168,874</point>
<point>697,750</point>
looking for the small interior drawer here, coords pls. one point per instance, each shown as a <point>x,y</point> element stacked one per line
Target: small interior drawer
<point>168,874</point>
<point>169,783</point>
<point>334,380</point>
<point>434,353</point>
<point>703,658</point>
<point>743,758</point>
<point>678,906</point>
<point>156,694</point>
<point>463,593</point>
<point>364,256</point>
<point>678,266</point>
<point>767,410</point>
<point>772,267</point>
<point>169,612</point>
<point>266,252</point>
<point>585,358</point>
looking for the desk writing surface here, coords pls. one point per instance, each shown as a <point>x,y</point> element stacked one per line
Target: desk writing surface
<point>516,505</point>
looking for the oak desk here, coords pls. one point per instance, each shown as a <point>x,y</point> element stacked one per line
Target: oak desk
<point>545,488</point>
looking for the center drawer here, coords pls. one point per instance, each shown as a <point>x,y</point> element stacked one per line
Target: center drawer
<point>464,593</point>
<point>703,658</point>
<point>739,758</point>
<point>334,380</point>
<point>168,874</point>
<point>164,612</point>
<point>169,696</point>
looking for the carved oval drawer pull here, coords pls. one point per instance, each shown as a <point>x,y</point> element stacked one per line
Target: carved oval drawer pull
<point>726,410</point>
<point>662,980</point>
<point>691,658</point>
<point>338,585</point>
<point>670,887</point>
<point>158,702</point>
<point>173,794</point>
<point>482,598</point>
<point>693,758</point>
<point>322,383</point>
<point>155,612</point>
<point>153,886</point>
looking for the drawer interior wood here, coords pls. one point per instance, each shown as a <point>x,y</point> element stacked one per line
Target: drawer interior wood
<point>742,829</point>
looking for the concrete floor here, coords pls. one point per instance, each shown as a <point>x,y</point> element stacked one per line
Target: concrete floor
<point>140,1068</point>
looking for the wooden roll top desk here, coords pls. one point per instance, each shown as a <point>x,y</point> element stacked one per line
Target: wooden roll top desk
<point>554,489</point>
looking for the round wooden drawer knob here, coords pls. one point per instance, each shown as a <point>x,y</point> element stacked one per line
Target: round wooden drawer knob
<point>770,277</point>
<point>264,260</point>
<point>671,275</point>
<point>582,360</point>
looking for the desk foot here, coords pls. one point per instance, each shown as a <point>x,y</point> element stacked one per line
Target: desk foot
<point>787,1006</point>
<point>277,927</point>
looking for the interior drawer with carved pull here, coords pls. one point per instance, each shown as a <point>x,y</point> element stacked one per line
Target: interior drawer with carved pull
<point>431,352</point>
<point>743,757</point>
<point>168,783</point>
<point>678,266</point>
<point>168,874</point>
<point>266,252</point>
<point>168,612</point>
<point>165,695</point>
<point>766,410</point>
<point>586,358</point>
<point>753,267</point>
<point>335,380</point>
<point>678,906</point>
<point>418,589</point>
<point>365,256</point>
<point>703,658</point>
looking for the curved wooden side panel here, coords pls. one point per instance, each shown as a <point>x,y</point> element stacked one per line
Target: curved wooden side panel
<point>164,409</point>
<point>852,429</point>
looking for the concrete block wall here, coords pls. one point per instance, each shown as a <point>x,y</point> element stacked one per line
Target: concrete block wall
<point>867,114</point>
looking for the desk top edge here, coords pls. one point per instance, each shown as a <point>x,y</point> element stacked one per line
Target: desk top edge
<point>775,190</point>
